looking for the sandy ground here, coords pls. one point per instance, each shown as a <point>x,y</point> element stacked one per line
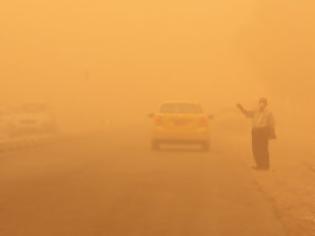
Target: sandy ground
<point>115,185</point>
<point>290,183</point>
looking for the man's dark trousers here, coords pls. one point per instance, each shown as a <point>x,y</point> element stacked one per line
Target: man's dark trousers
<point>260,146</point>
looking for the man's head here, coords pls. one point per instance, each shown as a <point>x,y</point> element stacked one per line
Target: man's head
<point>263,103</point>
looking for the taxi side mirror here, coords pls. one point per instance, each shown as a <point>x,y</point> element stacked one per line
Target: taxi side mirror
<point>151,115</point>
<point>211,117</point>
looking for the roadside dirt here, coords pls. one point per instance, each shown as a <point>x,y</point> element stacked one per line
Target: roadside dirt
<point>289,185</point>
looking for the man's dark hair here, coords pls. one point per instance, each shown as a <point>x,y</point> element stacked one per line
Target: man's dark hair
<point>263,100</point>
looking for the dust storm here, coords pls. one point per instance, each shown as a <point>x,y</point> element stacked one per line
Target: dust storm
<point>105,67</point>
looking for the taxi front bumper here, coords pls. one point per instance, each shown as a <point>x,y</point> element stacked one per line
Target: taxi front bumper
<point>196,135</point>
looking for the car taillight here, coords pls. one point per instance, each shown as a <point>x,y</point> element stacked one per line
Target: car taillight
<point>158,120</point>
<point>203,122</point>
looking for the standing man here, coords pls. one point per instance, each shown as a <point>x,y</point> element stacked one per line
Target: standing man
<point>262,132</point>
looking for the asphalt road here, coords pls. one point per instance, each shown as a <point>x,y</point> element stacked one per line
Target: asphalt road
<point>115,186</point>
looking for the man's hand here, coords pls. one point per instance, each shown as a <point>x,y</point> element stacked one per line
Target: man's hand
<point>248,114</point>
<point>239,106</point>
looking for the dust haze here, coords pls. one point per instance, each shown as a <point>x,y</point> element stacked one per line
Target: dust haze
<point>119,60</point>
<point>105,65</point>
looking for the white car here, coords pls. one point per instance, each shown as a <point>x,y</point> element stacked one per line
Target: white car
<point>31,119</point>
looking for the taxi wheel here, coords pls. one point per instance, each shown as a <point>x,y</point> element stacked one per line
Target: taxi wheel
<point>206,146</point>
<point>155,145</point>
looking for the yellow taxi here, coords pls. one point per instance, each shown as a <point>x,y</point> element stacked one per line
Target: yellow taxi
<point>181,123</point>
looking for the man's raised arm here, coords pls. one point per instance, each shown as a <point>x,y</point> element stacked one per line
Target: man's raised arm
<point>247,113</point>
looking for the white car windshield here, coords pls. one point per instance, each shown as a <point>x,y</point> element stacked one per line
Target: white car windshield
<point>31,109</point>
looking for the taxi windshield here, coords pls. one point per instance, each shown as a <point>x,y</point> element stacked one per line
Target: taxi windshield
<point>180,108</point>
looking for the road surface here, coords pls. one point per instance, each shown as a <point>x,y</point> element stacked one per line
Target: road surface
<point>115,186</point>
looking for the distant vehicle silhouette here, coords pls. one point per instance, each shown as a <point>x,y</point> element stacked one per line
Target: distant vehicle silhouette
<point>33,118</point>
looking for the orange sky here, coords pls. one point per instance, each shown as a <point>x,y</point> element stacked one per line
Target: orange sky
<point>122,45</point>
<point>122,54</point>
